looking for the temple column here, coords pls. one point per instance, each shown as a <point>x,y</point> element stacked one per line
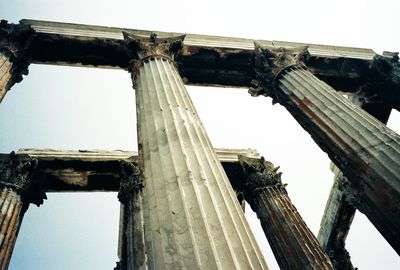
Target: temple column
<point>292,242</point>
<point>14,55</point>
<point>192,218</point>
<point>132,253</point>
<point>364,149</point>
<point>339,214</point>
<point>335,224</point>
<point>15,195</point>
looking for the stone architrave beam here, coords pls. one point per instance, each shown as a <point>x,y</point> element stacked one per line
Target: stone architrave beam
<point>363,148</point>
<point>99,170</point>
<point>203,60</point>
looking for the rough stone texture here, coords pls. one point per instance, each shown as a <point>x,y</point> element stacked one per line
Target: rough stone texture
<point>383,80</point>
<point>364,149</point>
<point>292,242</point>
<point>191,215</point>
<point>15,196</point>
<point>14,54</point>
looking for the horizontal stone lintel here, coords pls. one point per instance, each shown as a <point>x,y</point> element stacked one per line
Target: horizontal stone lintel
<point>98,170</point>
<point>204,60</point>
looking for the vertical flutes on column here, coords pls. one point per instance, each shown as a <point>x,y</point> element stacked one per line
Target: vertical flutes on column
<point>17,190</point>
<point>292,242</point>
<point>192,218</point>
<point>364,149</point>
<point>133,254</point>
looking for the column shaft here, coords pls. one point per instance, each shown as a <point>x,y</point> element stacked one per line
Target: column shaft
<point>5,75</point>
<point>191,214</point>
<point>131,251</point>
<point>11,214</point>
<point>133,255</point>
<point>335,225</point>
<point>292,242</point>
<point>361,146</point>
<point>17,191</point>
<point>339,214</point>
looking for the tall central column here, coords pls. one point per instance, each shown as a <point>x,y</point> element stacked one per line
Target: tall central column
<point>192,218</point>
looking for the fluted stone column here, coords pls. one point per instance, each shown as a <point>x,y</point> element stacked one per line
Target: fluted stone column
<point>192,218</point>
<point>15,196</point>
<point>364,149</point>
<point>14,55</point>
<point>339,213</point>
<point>292,242</point>
<point>133,255</point>
<point>335,223</point>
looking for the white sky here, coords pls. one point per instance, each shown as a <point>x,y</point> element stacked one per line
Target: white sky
<point>83,108</point>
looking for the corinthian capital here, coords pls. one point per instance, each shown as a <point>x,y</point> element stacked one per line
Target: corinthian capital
<point>259,173</point>
<point>16,173</point>
<point>141,48</point>
<point>130,181</point>
<point>270,62</point>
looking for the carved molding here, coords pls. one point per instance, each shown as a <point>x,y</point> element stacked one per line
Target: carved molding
<point>269,63</point>
<point>15,43</point>
<point>260,174</point>
<point>16,173</point>
<point>141,48</point>
<point>131,181</point>
<point>353,193</point>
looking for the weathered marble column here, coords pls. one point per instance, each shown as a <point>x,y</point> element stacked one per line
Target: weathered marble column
<point>14,54</point>
<point>339,213</point>
<point>192,218</point>
<point>292,242</point>
<point>132,254</point>
<point>15,196</point>
<point>335,223</point>
<point>364,149</point>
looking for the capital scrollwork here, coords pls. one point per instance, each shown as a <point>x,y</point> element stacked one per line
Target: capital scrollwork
<point>269,63</point>
<point>131,181</point>
<point>15,43</point>
<point>17,173</point>
<point>141,48</point>
<point>259,173</point>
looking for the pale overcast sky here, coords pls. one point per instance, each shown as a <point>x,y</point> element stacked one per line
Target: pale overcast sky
<point>85,108</point>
